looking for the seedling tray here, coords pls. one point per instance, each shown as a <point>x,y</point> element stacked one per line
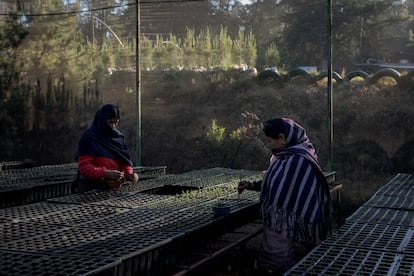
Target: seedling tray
<point>366,214</point>
<point>15,196</point>
<point>150,172</point>
<point>61,239</point>
<point>131,219</point>
<point>406,266</point>
<point>32,211</point>
<point>78,215</point>
<point>123,245</point>
<point>336,260</point>
<point>401,185</point>
<point>41,172</point>
<point>13,231</point>
<point>19,263</point>
<point>9,165</point>
<point>141,252</point>
<point>391,201</point>
<point>88,197</point>
<point>134,201</point>
<point>136,230</point>
<point>389,238</point>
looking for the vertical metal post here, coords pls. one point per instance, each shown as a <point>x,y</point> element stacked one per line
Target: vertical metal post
<point>138,83</point>
<point>330,86</point>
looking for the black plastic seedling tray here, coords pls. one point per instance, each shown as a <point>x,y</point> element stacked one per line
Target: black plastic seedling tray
<point>366,214</point>
<point>136,230</point>
<point>77,215</point>
<point>400,185</point>
<point>61,239</point>
<point>32,211</point>
<point>12,231</point>
<point>88,197</point>
<point>384,237</point>
<point>18,264</point>
<point>335,260</point>
<point>391,201</point>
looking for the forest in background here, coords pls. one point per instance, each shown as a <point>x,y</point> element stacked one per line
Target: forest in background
<point>60,60</point>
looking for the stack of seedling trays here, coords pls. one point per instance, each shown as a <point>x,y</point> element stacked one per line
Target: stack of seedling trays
<point>150,171</point>
<point>22,185</point>
<point>26,185</point>
<point>378,239</point>
<point>136,230</point>
<point>8,165</point>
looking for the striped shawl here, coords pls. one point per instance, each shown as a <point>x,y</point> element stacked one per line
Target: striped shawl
<point>294,192</point>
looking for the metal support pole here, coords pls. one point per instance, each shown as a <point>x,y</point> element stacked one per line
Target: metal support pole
<point>330,86</point>
<point>138,83</point>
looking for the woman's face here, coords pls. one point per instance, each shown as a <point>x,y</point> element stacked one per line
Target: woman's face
<point>113,122</point>
<point>275,143</point>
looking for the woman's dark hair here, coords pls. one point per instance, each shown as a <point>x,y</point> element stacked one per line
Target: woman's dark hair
<point>110,111</point>
<point>272,128</point>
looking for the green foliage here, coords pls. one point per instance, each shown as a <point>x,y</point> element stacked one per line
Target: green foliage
<point>163,48</point>
<point>189,48</point>
<point>272,56</point>
<point>203,51</point>
<point>237,149</point>
<point>304,33</point>
<point>370,29</point>
<point>54,46</point>
<point>25,106</point>
<point>264,20</point>
<point>12,34</point>
<point>146,58</point>
<point>78,47</point>
<point>238,133</point>
<point>223,46</point>
<point>62,62</point>
<point>244,49</point>
<point>250,49</point>
<point>215,133</point>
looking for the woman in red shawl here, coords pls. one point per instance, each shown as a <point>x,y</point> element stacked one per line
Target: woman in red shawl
<point>294,196</point>
<point>103,157</point>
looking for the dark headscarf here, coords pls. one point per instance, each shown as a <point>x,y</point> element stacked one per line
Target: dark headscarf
<point>103,141</point>
<point>105,113</point>
<point>297,142</point>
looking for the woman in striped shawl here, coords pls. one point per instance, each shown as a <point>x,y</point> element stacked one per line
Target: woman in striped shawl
<point>295,199</point>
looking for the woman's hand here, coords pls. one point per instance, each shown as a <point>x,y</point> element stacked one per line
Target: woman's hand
<point>243,185</point>
<point>133,177</point>
<point>114,175</point>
